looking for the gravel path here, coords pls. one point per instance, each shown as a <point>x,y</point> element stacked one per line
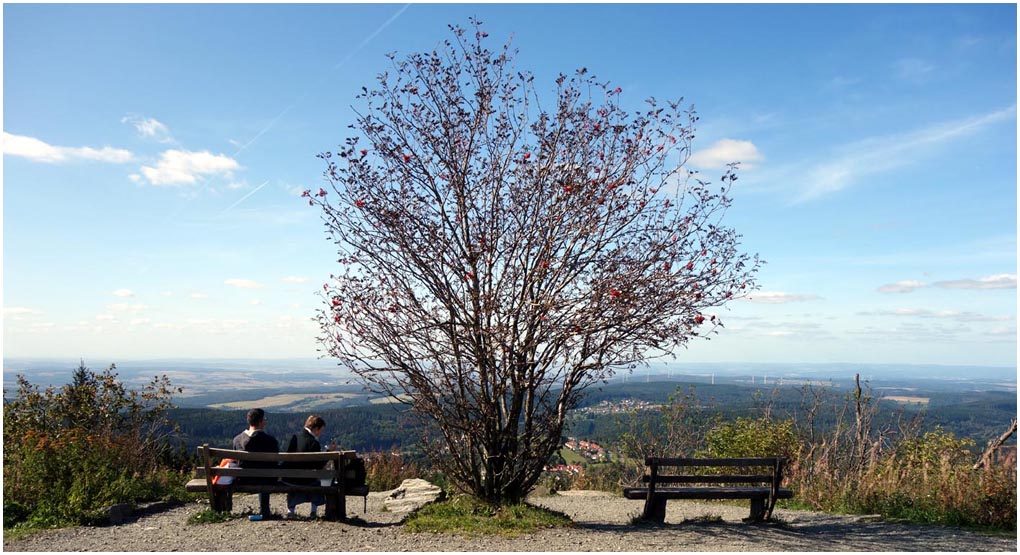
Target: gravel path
<point>602,524</point>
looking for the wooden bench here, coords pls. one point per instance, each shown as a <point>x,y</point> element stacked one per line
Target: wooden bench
<point>335,468</point>
<point>762,488</point>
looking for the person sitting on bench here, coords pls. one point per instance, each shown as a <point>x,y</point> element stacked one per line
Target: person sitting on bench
<point>256,440</point>
<point>305,441</point>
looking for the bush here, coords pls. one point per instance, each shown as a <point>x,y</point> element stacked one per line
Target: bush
<point>752,437</point>
<point>385,470</point>
<point>69,453</point>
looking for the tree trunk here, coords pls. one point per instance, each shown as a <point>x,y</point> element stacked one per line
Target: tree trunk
<point>993,446</point>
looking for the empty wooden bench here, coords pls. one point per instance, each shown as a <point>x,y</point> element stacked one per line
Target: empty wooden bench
<point>758,479</point>
<point>336,472</point>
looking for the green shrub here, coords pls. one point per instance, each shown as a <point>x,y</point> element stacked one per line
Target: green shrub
<point>69,453</point>
<point>752,437</point>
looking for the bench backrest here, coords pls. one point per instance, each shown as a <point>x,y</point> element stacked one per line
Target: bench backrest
<point>752,470</point>
<point>211,456</point>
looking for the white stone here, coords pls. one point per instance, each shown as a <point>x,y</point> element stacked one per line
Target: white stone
<point>411,494</point>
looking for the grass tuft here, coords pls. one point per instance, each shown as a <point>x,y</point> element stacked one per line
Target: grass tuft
<point>469,516</point>
<point>209,516</point>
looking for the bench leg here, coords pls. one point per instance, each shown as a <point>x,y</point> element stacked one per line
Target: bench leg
<point>336,507</point>
<point>757,509</point>
<point>655,509</point>
<point>221,501</point>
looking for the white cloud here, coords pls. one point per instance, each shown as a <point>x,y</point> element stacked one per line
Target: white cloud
<point>726,151</point>
<point>905,286</point>
<point>182,167</point>
<point>149,128</point>
<point>293,279</point>
<point>39,151</point>
<point>255,302</point>
<point>199,296</point>
<point>243,283</point>
<point>126,307</point>
<point>1001,281</point>
<point>779,297</point>
<point>124,293</point>
<point>140,321</point>
<point>106,317</point>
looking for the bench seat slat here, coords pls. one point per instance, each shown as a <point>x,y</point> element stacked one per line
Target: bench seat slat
<point>707,493</point>
<point>709,479</point>
<point>198,485</point>
<point>272,472</point>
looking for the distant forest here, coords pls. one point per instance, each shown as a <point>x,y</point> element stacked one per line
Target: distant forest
<point>979,415</point>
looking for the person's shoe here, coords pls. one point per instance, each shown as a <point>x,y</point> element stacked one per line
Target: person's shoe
<point>290,515</point>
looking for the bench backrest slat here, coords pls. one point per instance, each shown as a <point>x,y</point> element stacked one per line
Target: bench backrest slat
<point>711,479</point>
<point>751,461</point>
<point>323,456</point>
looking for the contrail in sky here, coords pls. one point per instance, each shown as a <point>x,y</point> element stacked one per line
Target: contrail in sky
<point>240,200</point>
<point>297,101</point>
<point>346,59</point>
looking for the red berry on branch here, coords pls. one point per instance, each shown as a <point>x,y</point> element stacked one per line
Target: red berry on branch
<point>690,266</point>
<point>322,192</point>
<point>359,203</point>
<point>407,158</point>
<point>306,194</point>
<point>614,293</point>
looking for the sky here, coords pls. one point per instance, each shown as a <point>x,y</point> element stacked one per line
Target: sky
<point>154,157</point>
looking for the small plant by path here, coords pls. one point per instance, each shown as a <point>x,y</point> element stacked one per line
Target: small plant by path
<point>466,515</point>
<point>209,516</point>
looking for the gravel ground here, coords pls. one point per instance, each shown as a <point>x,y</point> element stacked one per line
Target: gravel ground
<point>603,523</point>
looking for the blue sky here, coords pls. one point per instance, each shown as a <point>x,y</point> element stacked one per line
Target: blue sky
<point>154,154</point>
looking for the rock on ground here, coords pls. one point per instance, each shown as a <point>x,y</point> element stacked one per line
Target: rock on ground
<point>602,523</point>
<point>411,494</point>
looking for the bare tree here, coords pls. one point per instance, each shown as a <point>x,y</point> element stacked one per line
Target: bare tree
<point>498,257</point>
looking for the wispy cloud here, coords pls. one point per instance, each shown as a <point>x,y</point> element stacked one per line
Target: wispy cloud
<point>184,167</point>
<point>127,307</point>
<point>913,69</point>
<point>1001,281</point>
<point>905,286</point>
<point>726,151</point>
<point>243,283</point>
<point>198,296</point>
<point>851,163</point>
<point>779,297</point>
<point>17,312</point>
<point>124,293</point>
<point>149,128</point>
<point>293,279</point>
<point>40,151</point>
<point>961,316</point>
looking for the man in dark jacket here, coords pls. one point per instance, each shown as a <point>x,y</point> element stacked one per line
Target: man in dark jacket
<point>305,441</point>
<point>256,440</point>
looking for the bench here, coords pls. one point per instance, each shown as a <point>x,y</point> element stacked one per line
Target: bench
<point>761,485</point>
<point>335,471</point>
